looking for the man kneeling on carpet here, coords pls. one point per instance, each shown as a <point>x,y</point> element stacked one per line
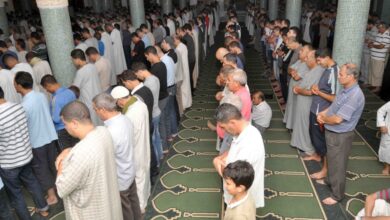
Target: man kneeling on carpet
<point>247,145</point>
<point>377,206</point>
<point>238,177</point>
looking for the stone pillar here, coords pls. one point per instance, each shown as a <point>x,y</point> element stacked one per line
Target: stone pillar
<point>166,6</point>
<point>350,30</point>
<point>182,4</point>
<point>263,4</point>
<point>137,10</point>
<point>107,5</point>
<point>293,12</point>
<point>59,40</point>
<point>3,18</point>
<point>273,9</point>
<point>97,6</point>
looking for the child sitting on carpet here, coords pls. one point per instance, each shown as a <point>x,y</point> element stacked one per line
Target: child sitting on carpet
<point>383,122</point>
<point>239,177</point>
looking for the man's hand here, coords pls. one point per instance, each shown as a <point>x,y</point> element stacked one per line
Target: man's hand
<point>61,157</point>
<point>384,130</point>
<point>314,89</point>
<point>296,90</point>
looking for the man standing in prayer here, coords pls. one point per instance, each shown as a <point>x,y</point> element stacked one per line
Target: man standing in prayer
<point>16,67</point>
<point>42,133</point>
<point>87,173</point>
<point>340,120</point>
<point>301,136</point>
<point>183,83</point>
<point>90,41</point>
<point>121,130</point>
<point>7,83</point>
<point>108,52</point>
<point>103,67</point>
<point>247,145</point>
<point>137,112</point>
<point>185,33</point>
<point>15,160</point>
<point>61,96</point>
<point>119,64</point>
<point>87,80</point>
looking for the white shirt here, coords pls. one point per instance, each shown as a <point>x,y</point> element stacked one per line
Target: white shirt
<point>383,117</point>
<point>249,146</point>
<point>121,130</point>
<point>168,61</point>
<point>104,70</point>
<point>262,114</point>
<point>26,68</point>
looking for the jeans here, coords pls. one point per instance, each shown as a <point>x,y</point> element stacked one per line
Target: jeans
<point>163,122</point>
<point>5,212</point>
<point>14,179</point>
<point>171,108</point>
<point>156,138</point>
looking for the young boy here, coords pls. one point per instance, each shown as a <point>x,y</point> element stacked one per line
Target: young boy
<point>383,122</point>
<point>239,177</point>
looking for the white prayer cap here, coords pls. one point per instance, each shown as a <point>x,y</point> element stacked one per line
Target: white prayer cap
<point>120,92</point>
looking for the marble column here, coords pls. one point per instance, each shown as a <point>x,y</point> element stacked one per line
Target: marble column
<point>350,30</point>
<point>59,40</point>
<point>293,12</point>
<point>137,10</point>
<point>97,6</point>
<point>166,6</point>
<point>273,9</point>
<point>182,4</point>
<point>263,4</point>
<point>107,5</point>
<point>3,18</point>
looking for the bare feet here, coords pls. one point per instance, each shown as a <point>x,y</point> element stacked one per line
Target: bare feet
<point>315,157</point>
<point>211,126</point>
<point>318,176</point>
<point>329,201</point>
<point>321,182</point>
<point>42,213</point>
<point>385,172</point>
<point>52,200</point>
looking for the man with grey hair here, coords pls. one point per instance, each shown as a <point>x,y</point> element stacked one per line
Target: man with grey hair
<point>247,145</point>
<point>86,173</point>
<point>340,120</point>
<point>236,83</point>
<point>121,130</point>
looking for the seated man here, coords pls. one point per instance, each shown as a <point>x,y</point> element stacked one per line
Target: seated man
<point>247,145</point>
<point>261,112</point>
<point>377,206</point>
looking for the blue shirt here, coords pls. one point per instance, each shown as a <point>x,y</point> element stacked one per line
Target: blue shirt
<point>101,47</point>
<point>60,98</point>
<point>1,183</point>
<point>7,52</point>
<point>146,41</point>
<point>349,104</point>
<point>328,85</point>
<point>168,61</point>
<point>240,65</point>
<point>40,125</point>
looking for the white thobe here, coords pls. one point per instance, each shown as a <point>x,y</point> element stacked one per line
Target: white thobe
<point>7,84</point>
<point>24,67</point>
<point>182,73</point>
<point>171,26</point>
<point>103,67</point>
<point>119,64</point>
<point>22,56</point>
<point>87,80</point>
<point>139,117</point>
<point>41,68</point>
<point>82,46</point>
<point>195,73</point>
<point>383,120</point>
<point>92,42</point>
<point>108,54</point>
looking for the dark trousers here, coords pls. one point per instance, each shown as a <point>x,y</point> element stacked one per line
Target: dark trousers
<point>171,108</point>
<point>5,212</point>
<point>127,52</point>
<point>17,178</point>
<point>130,203</point>
<point>192,67</point>
<point>43,165</point>
<point>317,136</point>
<point>339,146</point>
<point>283,84</point>
<point>65,140</point>
<point>164,120</point>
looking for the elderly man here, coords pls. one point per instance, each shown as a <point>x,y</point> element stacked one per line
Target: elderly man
<point>137,112</point>
<point>87,173</point>
<point>236,83</point>
<point>340,120</point>
<point>261,112</point>
<point>121,130</point>
<point>247,145</point>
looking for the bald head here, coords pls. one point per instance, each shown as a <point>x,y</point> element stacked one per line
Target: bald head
<point>220,54</point>
<point>77,111</point>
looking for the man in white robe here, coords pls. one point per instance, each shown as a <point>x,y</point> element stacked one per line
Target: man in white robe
<point>171,25</point>
<point>108,52</point>
<point>138,114</point>
<point>119,64</point>
<point>40,68</point>
<point>102,65</point>
<point>7,84</point>
<point>87,175</point>
<point>90,41</point>
<point>16,67</point>
<point>87,80</point>
<point>184,97</point>
<point>195,74</point>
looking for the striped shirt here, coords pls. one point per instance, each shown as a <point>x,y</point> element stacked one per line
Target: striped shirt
<point>381,39</point>
<point>384,194</point>
<point>15,147</point>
